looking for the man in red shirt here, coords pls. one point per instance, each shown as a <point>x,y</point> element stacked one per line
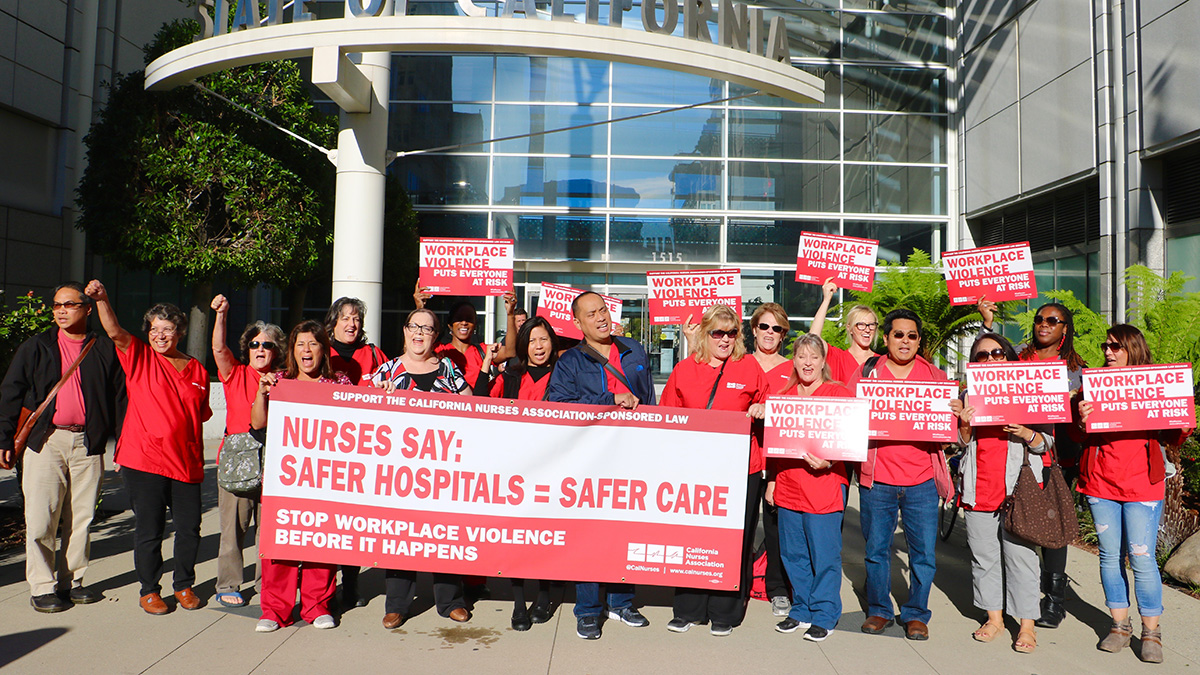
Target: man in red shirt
<point>65,458</point>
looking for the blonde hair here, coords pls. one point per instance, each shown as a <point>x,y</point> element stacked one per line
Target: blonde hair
<point>715,316</point>
<point>852,316</point>
<point>813,343</point>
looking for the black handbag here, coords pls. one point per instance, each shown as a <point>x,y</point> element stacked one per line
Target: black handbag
<point>1041,514</point>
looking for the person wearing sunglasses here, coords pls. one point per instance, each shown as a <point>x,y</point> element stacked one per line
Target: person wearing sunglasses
<point>861,330</point>
<point>1123,474</point>
<point>1052,339</point>
<point>63,463</point>
<point>160,450</point>
<point>770,327</point>
<point>1004,567</point>
<point>717,376</point>
<point>420,368</point>
<point>261,348</point>
<point>811,495</point>
<point>901,478</point>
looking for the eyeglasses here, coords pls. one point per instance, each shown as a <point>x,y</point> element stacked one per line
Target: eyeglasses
<point>1051,320</point>
<point>777,329</point>
<point>419,329</point>
<point>165,332</point>
<point>1110,347</point>
<point>265,345</point>
<point>996,353</point>
<point>900,335</point>
<point>718,334</point>
<point>863,325</point>
<point>67,305</point>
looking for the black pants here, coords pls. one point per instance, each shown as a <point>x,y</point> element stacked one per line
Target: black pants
<point>1054,560</point>
<point>400,586</point>
<point>776,579</point>
<point>726,607</point>
<point>542,589</point>
<point>151,495</point>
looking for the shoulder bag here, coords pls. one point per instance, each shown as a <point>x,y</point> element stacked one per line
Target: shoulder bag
<point>1041,514</point>
<point>29,418</point>
<point>240,468</point>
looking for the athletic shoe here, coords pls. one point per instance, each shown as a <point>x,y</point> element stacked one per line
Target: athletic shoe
<point>629,616</point>
<point>266,626</point>
<point>790,625</point>
<point>720,629</point>
<point>680,625</point>
<point>815,634</point>
<point>780,605</point>
<point>324,622</point>
<point>588,627</point>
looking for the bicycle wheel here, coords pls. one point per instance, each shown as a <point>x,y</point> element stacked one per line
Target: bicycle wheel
<point>947,517</point>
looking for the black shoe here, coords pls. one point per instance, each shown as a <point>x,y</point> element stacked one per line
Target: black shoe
<point>49,603</point>
<point>1053,607</point>
<point>540,614</point>
<point>815,634</point>
<point>521,620</point>
<point>476,592</point>
<point>84,596</point>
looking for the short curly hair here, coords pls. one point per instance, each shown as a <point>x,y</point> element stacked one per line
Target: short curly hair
<point>275,333</point>
<point>167,312</point>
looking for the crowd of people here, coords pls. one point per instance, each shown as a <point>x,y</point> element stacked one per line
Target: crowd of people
<point>87,385</point>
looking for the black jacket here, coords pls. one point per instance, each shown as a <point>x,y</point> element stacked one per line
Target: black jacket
<point>37,367</point>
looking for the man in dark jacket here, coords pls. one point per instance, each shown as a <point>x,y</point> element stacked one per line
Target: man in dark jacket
<point>64,462</point>
<point>580,376</point>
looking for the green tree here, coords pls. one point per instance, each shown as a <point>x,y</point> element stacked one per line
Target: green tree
<point>180,182</point>
<point>30,317</point>
<point>919,286</point>
<point>1090,327</point>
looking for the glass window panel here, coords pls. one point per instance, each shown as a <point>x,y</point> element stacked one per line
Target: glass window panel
<point>553,237</point>
<point>1182,254</point>
<point>783,134</point>
<point>827,72</point>
<point>1093,296</point>
<point>887,188</point>
<point>666,183</point>
<point>642,84</point>
<point>443,179</point>
<point>1072,275</point>
<point>684,132</point>
<point>893,5</point>
<point>549,181</point>
<point>419,126</point>
<point>780,286</point>
<point>895,88</point>
<point>894,37</point>
<point>468,225</point>
<point>771,241</point>
<point>896,240</point>
<point>1043,275</point>
<point>895,138</point>
<point>513,120</point>
<point>547,79</point>
<point>685,240</point>
<point>776,186</point>
<point>811,33</point>
<point>441,78</point>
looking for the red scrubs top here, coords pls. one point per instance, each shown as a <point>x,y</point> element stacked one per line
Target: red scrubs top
<point>798,486</point>
<point>742,384</point>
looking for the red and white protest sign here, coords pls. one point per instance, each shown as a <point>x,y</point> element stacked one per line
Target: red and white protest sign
<point>481,486</point>
<point>910,410</point>
<point>849,260</point>
<point>1018,392</point>
<point>675,295</point>
<point>1140,397</point>
<point>554,303</point>
<point>467,266</point>
<point>1000,272</point>
<point>828,427</point>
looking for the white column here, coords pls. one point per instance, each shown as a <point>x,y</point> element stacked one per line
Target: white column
<point>358,211</point>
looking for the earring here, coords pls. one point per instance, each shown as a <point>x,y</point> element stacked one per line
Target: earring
<point>1063,341</point>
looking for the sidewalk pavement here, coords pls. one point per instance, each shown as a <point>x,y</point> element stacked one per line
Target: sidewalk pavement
<point>115,636</point>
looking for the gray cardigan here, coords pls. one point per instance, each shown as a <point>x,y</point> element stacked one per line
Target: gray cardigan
<point>968,465</point>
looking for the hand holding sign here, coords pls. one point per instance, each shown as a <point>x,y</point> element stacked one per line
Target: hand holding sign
<point>848,261</point>
<point>1000,272</point>
<point>1139,398</point>
<point>466,266</point>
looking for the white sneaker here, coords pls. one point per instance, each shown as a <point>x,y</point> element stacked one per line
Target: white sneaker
<point>324,622</point>
<point>266,626</point>
<point>780,605</point>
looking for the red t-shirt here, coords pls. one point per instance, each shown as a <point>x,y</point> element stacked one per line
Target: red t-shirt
<point>798,486</point>
<point>991,461</point>
<point>742,384</point>
<point>68,404</point>
<point>361,364</point>
<point>1033,356</point>
<point>163,431</point>
<point>469,362</point>
<point>615,385</point>
<point>842,365</point>
<point>902,463</point>
<point>1118,467</point>
<point>241,386</point>
<point>530,390</point>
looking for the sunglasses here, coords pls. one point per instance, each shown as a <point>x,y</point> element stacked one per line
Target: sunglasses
<point>995,353</point>
<point>900,335</point>
<point>777,329</point>
<point>1051,320</point>
<point>67,305</point>
<point>718,334</point>
<point>265,345</point>
<point>1110,347</point>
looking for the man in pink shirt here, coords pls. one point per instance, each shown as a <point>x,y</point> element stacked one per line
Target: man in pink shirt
<point>64,461</point>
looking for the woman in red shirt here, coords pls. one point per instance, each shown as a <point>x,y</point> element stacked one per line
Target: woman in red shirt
<point>525,378</point>
<point>811,496</point>
<point>262,346</point>
<point>862,329</point>
<point>990,465</point>
<point>160,452</point>
<point>717,376</point>
<point>1123,475</point>
<point>307,361</point>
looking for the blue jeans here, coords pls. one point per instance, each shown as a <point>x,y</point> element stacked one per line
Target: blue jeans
<point>1129,530</point>
<point>587,598</point>
<point>917,505</point>
<point>811,547</point>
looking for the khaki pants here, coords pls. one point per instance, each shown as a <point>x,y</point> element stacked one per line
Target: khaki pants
<point>61,483</point>
<point>236,514</point>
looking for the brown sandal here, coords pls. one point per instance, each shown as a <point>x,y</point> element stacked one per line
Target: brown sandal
<point>1117,638</point>
<point>1026,642</point>
<point>987,632</point>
